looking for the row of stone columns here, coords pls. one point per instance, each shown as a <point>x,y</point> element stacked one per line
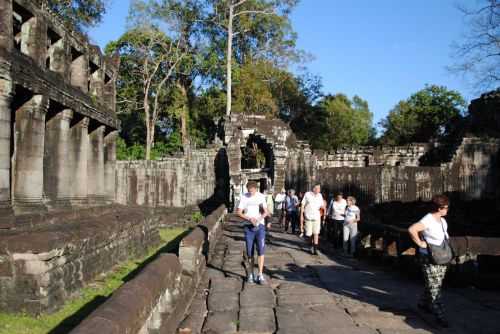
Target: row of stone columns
<point>53,162</point>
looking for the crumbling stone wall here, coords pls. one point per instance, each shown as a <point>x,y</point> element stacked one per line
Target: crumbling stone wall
<point>44,264</point>
<point>366,156</point>
<point>472,173</point>
<point>57,114</point>
<point>171,182</point>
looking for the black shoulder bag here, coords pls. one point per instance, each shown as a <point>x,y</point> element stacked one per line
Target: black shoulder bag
<point>442,254</point>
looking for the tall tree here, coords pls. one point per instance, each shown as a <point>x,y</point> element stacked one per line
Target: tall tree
<point>149,60</point>
<point>79,13</point>
<point>336,121</point>
<point>428,114</point>
<point>478,54</point>
<point>262,27</point>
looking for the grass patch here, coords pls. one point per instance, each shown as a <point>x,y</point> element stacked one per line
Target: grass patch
<point>90,297</point>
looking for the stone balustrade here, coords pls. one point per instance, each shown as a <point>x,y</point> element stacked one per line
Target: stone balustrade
<point>157,299</point>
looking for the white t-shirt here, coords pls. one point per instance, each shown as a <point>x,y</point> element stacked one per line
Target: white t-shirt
<point>252,205</point>
<point>312,203</point>
<point>434,232</point>
<point>337,209</point>
<point>280,198</point>
<point>351,213</point>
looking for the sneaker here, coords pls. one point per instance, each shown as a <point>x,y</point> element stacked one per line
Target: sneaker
<point>315,251</point>
<point>301,235</point>
<point>261,279</point>
<point>250,279</point>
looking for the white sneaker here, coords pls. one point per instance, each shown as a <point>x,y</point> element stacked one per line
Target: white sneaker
<point>250,279</point>
<point>261,279</point>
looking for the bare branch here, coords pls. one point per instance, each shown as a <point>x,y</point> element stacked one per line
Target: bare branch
<point>264,12</point>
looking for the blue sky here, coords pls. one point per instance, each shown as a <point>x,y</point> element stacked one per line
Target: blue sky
<point>381,50</point>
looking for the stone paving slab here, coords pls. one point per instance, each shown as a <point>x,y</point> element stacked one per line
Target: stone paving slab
<point>324,294</point>
<point>224,285</point>
<point>255,296</point>
<point>259,320</point>
<point>387,320</point>
<point>317,319</point>
<point>305,300</point>
<point>223,301</point>
<point>221,323</point>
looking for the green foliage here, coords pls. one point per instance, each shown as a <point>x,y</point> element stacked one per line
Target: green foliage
<point>197,217</point>
<point>71,313</point>
<point>137,151</point>
<point>78,13</point>
<point>336,121</point>
<point>430,113</point>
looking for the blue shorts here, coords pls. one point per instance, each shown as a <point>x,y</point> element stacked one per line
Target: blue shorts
<point>255,235</point>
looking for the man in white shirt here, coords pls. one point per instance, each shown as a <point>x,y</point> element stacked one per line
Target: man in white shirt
<point>310,212</point>
<point>336,212</point>
<point>253,209</point>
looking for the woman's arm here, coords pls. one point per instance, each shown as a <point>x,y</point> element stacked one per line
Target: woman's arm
<point>414,232</point>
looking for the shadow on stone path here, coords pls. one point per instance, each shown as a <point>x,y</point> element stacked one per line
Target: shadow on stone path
<point>321,294</point>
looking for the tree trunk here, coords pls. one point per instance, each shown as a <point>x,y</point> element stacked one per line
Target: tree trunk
<point>149,130</point>
<point>229,59</point>
<point>183,115</point>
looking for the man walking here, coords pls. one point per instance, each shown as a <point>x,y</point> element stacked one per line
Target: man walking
<point>253,209</point>
<point>310,212</point>
<point>291,206</point>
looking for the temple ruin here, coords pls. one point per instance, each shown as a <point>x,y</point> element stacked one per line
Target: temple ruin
<point>69,211</point>
<point>57,107</point>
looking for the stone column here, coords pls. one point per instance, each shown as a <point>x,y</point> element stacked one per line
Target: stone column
<point>29,150</point>
<point>95,166</point>
<point>58,164</point>
<point>80,73</point>
<point>6,31</point>
<point>110,165</point>
<point>34,40</point>
<point>78,153</point>
<point>5,151</point>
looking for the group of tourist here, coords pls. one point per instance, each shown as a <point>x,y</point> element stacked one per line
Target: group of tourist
<point>340,218</point>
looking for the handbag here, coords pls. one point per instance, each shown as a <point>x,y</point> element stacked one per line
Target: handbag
<point>441,254</point>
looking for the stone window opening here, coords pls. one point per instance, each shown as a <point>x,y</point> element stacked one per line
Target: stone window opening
<point>256,154</point>
<point>94,77</point>
<point>53,39</point>
<point>107,78</point>
<point>79,70</point>
<point>20,16</point>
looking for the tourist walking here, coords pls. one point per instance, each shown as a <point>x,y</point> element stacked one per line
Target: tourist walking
<point>336,213</point>
<point>291,207</point>
<point>350,226</point>
<point>280,206</point>
<point>253,209</point>
<point>430,234</point>
<point>310,213</point>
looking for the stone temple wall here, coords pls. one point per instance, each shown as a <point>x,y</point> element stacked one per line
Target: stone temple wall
<point>472,173</point>
<point>172,182</point>
<point>366,156</point>
<point>57,114</point>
